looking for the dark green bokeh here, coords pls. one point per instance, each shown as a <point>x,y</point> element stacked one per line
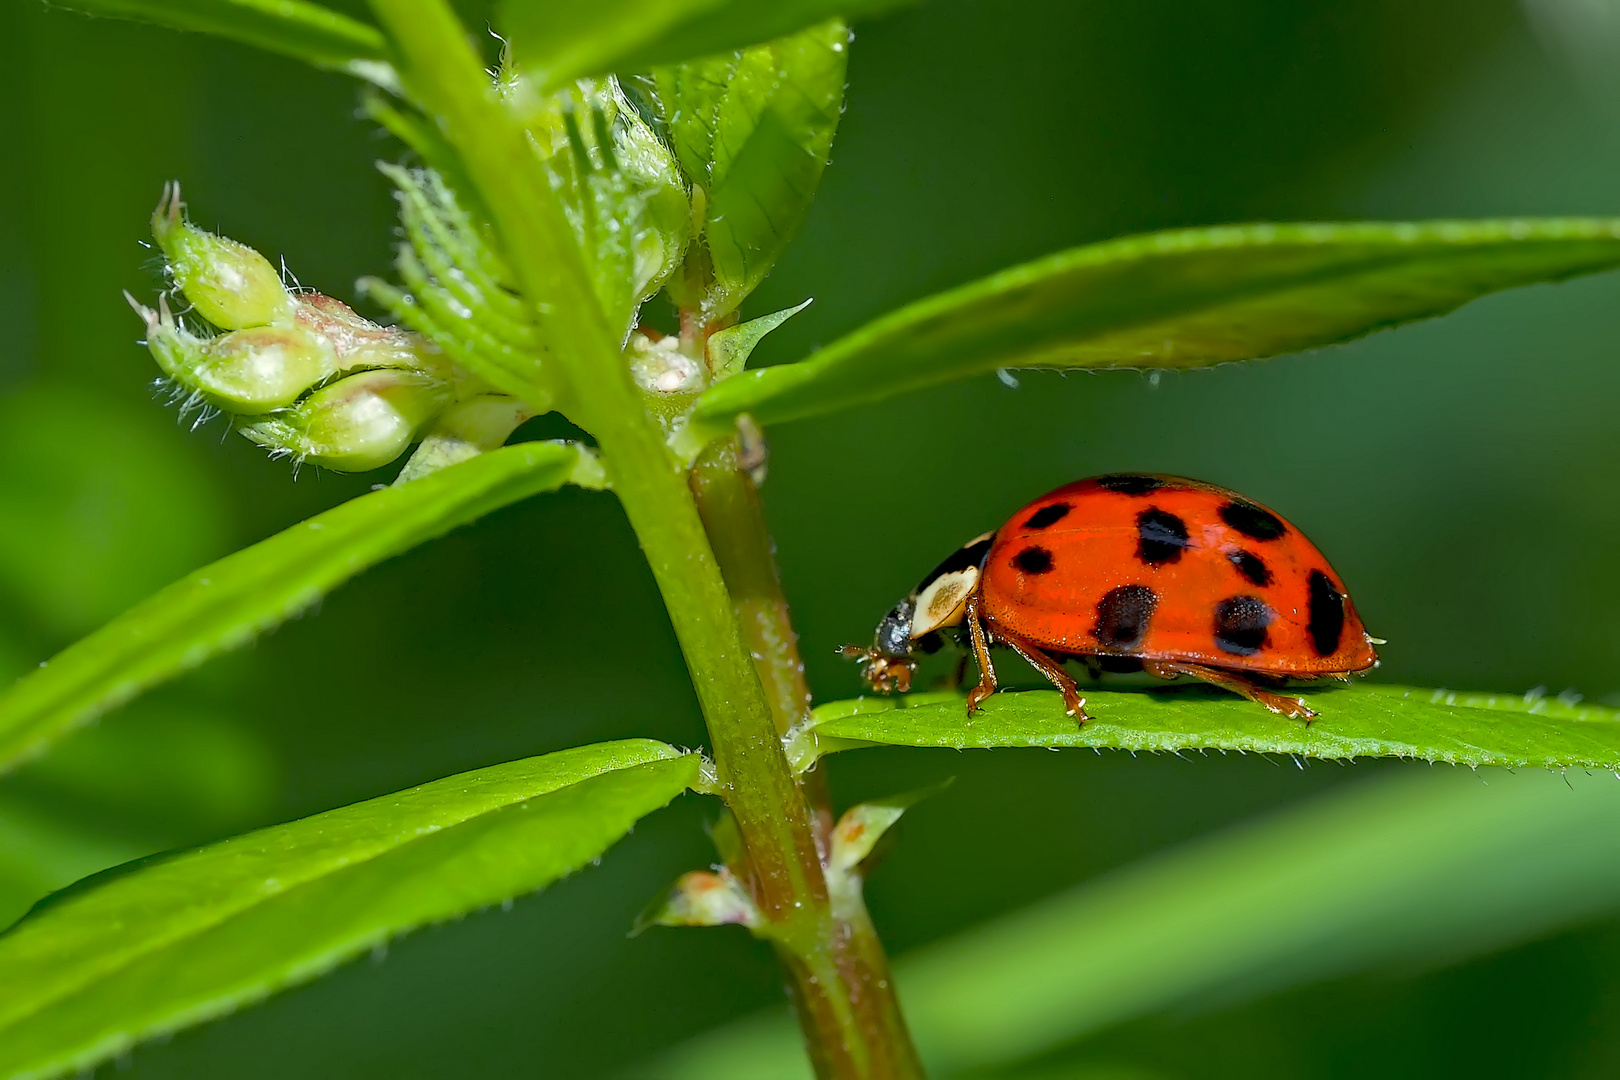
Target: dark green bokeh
<point>1461,475</point>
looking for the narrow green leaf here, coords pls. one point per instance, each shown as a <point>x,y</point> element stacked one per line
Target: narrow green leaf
<point>224,605</point>
<point>191,936</point>
<point>1174,300</point>
<point>1416,868</point>
<point>295,28</point>
<point>863,825</point>
<point>729,348</point>
<point>620,188</point>
<point>752,129</point>
<point>1361,720</point>
<point>555,43</point>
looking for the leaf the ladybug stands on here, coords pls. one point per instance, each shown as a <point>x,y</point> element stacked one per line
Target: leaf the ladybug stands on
<point>1364,720</point>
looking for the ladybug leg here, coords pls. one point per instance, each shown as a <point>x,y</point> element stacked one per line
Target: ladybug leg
<point>1052,668</point>
<point>1293,708</point>
<point>981,653</point>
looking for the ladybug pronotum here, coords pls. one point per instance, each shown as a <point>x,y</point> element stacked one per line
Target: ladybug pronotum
<point>1135,573</point>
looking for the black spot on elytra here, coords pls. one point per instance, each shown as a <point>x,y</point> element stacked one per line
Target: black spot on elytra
<point>1240,624</point>
<point>1122,616</point>
<point>968,556</point>
<point>1327,614</point>
<point>1250,566</point>
<point>1252,521</point>
<point>1033,560</point>
<point>1048,515</point>
<point>1130,483</point>
<point>1160,536</point>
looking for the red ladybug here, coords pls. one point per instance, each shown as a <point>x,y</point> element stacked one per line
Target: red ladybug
<point>1134,572</point>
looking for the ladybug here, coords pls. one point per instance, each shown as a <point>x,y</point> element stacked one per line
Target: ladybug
<point>1134,572</point>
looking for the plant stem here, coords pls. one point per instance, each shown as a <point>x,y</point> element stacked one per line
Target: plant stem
<point>446,78</point>
<point>730,505</point>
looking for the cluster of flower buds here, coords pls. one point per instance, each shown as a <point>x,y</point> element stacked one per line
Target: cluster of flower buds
<point>301,373</point>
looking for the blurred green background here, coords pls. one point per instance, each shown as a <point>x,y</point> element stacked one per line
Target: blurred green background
<point>1461,474</point>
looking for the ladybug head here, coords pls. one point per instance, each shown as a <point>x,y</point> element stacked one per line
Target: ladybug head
<point>887,665</point>
<point>938,603</point>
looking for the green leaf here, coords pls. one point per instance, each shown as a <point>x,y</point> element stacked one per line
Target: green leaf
<point>1404,870</point>
<point>863,825</point>
<point>1174,300</point>
<point>555,43</point>
<point>752,129</point>
<point>620,188</point>
<point>1361,720</point>
<point>194,935</point>
<point>226,604</point>
<point>730,348</point>
<point>295,28</point>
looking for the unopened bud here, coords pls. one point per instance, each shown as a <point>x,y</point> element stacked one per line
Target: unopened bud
<point>249,371</point>
<point>701,898</point>
<point>861,827</point>
<point>229,284</point>
<point>358,423</point>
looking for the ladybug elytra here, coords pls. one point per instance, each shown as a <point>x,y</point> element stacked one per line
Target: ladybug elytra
<point>1135,572</point>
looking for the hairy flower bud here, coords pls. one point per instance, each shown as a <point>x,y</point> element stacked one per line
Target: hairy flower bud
<point>305,376</point>
<point>230,284</point>
<point>251,371</point>
<point>358,423</point>
<point>701,898</point>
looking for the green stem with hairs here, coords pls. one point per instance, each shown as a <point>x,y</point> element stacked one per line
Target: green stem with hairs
<point>735,519</point>
<point>446,78</point>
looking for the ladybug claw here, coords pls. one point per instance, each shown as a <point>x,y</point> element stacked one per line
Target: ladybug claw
<point>1293,708</point>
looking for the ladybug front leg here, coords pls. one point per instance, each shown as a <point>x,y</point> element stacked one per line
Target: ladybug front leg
<point>981,653</point>
<point>1293,708</point>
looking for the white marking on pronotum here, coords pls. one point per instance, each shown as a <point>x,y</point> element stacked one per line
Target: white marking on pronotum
<point>944,601</point>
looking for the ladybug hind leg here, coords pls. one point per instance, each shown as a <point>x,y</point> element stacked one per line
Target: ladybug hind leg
<point>1291,707</point>
<point>1052,668</point>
